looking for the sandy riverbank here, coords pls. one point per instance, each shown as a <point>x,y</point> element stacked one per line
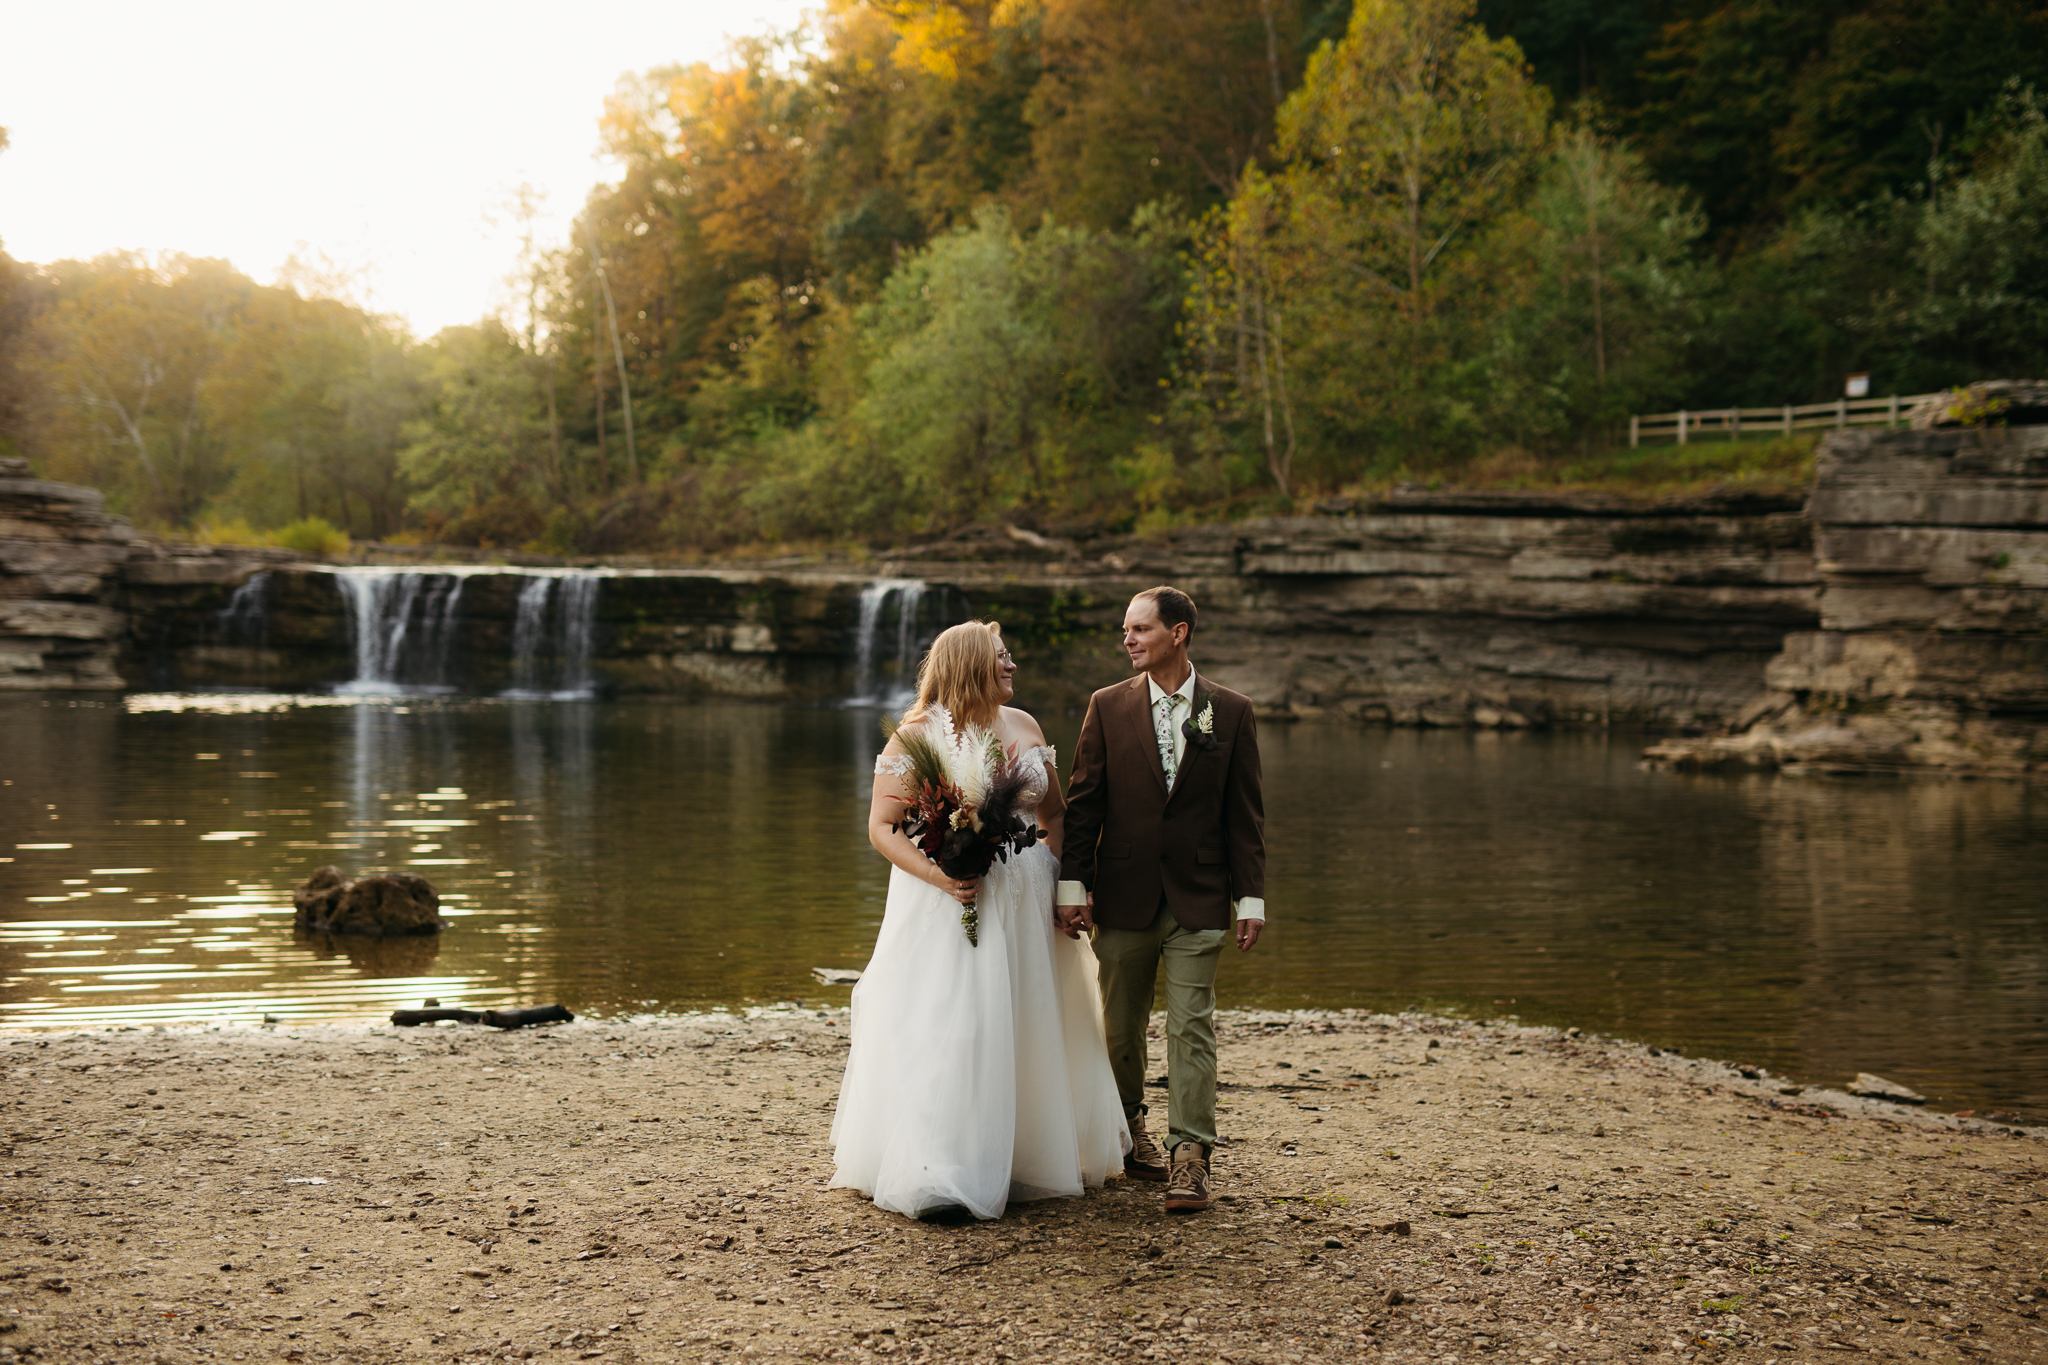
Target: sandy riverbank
<point>1404,1187</point>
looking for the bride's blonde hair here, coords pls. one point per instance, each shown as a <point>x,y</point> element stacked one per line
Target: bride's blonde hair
<point>962,672</point>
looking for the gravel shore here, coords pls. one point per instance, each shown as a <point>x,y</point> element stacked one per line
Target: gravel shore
<point>1405,1187</point>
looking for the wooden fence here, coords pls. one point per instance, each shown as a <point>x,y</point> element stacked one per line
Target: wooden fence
<point>1731,423</point>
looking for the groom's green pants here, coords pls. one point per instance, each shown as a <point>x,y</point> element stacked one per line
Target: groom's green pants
<point>1130,961</point>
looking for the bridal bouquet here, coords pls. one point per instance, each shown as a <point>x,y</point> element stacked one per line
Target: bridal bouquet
<point>966,813</point>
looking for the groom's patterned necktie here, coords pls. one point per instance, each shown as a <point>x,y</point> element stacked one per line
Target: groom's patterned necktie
<point>1162,724</point>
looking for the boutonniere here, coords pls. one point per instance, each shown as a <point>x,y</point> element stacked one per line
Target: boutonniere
<point>1202,729</point>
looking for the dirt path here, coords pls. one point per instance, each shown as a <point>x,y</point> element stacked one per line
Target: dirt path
<point>1404,1187</point>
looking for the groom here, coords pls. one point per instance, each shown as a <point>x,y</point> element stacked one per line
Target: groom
<point>1165,847</point>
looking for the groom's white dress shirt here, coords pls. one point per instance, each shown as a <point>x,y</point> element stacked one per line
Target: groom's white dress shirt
<point>1073,893</point>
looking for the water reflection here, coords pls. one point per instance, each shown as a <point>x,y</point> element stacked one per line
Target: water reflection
<point>410,955</point>
<point>1818,928</point>
<point>628,856</point>
<point>1882,976</point>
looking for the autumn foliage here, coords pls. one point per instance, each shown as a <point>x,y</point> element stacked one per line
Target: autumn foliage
<point>1122,262</point>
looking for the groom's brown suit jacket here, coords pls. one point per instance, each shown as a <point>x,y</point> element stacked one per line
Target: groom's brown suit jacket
<point>1135,844</point>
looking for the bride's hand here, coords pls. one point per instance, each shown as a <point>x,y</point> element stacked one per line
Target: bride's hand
<point>964,892</point>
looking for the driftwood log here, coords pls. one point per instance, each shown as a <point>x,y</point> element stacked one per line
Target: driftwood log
<point>519,1018</point>
<point>532,1014</point>
<point>410,1018</point>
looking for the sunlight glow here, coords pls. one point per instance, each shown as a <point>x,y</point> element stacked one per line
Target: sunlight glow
<point>380,138</point>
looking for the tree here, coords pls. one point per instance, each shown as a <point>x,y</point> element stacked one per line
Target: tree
<point>998,362</point>
<point>734,139</point>
<point>1245,281</point>
<point>1416,129</point>
<point>1981,258</point>
<point>1150,100</point>
<point>18,304</point>
<point>1365,269</point>
<point>310,409</point>
<point>1582,49</point>
<point>1606,322</point>
<point>15,308</point>
<point>533,280</point>
<point>859,193</point>
<point>713,196</point>
<point>479,459</point>
<point>192,394</point>
<point>957,134</point>
<point>125,358</point>
<point>611,319</point>
<point>1922,291</point>
<point>999,374</point>
<point>1766,107</point>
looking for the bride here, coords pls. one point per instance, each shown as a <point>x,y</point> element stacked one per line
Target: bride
<point>978,1073</point>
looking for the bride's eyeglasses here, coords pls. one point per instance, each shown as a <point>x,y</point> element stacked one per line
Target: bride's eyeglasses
<point>1003,658</point>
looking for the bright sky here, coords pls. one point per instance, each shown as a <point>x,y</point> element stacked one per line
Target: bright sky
<point>381,135</point>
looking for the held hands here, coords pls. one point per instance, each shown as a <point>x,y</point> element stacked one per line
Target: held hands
<point>1075,920</point>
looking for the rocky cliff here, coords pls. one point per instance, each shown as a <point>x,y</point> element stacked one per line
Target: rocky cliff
<point>1434,609</point>
<point>1448,610</point>
<point>60,556</point>
<point>1932,646</point>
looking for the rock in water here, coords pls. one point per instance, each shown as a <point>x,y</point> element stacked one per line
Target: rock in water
<point>380,905</point>
<point>1878,1088</point>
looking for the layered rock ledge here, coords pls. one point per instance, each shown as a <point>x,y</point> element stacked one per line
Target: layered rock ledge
<point>1431,609</point>
<point>1932,648</point>
<point>1457,609</point>
<point>59,555</point>
<point>1898,622</point>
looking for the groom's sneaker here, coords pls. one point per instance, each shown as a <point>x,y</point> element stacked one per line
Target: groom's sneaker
<point>1146,1159</point>
<point>1188,1190</point>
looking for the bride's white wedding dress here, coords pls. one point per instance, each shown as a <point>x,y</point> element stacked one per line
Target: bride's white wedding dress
<point>978,1073</point>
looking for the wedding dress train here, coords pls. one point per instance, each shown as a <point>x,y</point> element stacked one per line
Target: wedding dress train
<point>977,1073</point>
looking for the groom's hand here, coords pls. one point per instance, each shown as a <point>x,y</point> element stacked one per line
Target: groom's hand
<point>1075,920</point>
<point>1248,931</point>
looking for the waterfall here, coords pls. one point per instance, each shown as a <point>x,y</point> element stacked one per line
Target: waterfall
<point>553,629</point>
<point>917,615</point>
<point>529,624</point>
<point>579,621</point>
<point>403,621</point>
<point>245,620</point>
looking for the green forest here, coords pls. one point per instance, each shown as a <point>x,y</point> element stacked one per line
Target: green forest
<point>1125,264</point>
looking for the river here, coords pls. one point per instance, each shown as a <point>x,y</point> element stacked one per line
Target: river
<point>628,857</point>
